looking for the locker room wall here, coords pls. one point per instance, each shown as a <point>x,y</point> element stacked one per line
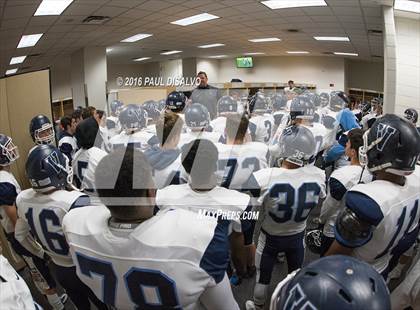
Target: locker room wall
<point>139,95</point>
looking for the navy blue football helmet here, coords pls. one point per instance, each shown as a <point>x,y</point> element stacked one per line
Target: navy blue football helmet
<point>47,168</point>
<point>338,100</point>
<point>411,115</point>
<point>297,145</point>
<point>133,117</point>
<point>279,102</point>
<point>115,106</point>
<point>152,109</point>
<point>227,104</point>
<point>176,101</point>
<point>392,144</point>
<point>8,151</point>
<point>302,107</point>
<point>41,130</point>
<point>258,103</point>
<point>197,116</point>
<point>333,282</point>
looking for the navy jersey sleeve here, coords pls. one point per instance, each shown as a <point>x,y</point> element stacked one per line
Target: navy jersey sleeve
<point>67,149</point>
<point>8,194</point>
<point>337,189</point>
<point>215,259</point>
<point>80,202</point>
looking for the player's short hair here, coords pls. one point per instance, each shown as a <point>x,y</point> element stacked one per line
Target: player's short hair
<point>199,159</point>
<point>355,136</point>
<point>123,180</point>
<point>77,114</point>
<point>65,122</point>
<point>100,113</point>
<point>290,81</point>
<point>88,112</point>
<point>168,125</point>
<point>203,73</point>
<point>236,126</point>
<point>86,133</point>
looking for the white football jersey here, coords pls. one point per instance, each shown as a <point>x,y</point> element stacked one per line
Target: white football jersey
<point>261,127</point>
<point>323,136</point>
<point>84,167</point>
<point>219,125</point>
<point>392,209</point>
<point>194,135</point>
<point>341,181</point>
<point>238,162</point>
<point>9,188</point>
<point>141,140</point>
<point>14,293</point>
<point>113,125</point>
<point>151,129</point>
<point>288,197</point>
<point>219,198</point>
<point>166,262</point>
<point>43,214</point>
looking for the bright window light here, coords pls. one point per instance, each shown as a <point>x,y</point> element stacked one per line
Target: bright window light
<point>284,4</point>
<point>142,58</point>
<point>11,71</point>
<point>17,60</point>
<point>297,52</point>
<point>218,56</point>
<point>211,45</point>
<point>170,52</point>
<point>345,54</point>
<point>194,19</point>
<point>29,40</point>
<point>264,40</point>
<point>254,53</point>
<point>406,5</point>
<point>343,39</point>
<point>137,37</point>
<point>52,7</point>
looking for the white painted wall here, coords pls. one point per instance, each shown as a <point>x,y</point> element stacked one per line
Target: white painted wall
<point>170,68</point>
<point>77,79</point>
<point>135,70</point>
<point>211,67</point>
<point>365,75</point>
<point>408,64</point>
<point>95,71</point>
<point>61,79</point>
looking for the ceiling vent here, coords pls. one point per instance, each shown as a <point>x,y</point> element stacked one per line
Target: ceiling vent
<point>375,32</point>
<point>377,56</point>
<point>34,55</point>
<point>328,53</point>
<point>95,20</point>
<point>292,30</point>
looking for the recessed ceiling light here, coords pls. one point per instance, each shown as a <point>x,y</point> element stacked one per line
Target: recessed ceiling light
<point>218,56</point>
<point>11,71</point>
<point>211,45</point>
<point>137,37</point>
<point>194,19</point>
<point>406,5</point>
<point>264,40</point>
<point>284,4</point>
<point>52,7</point>
<point>29,40</point>
<point>346,54</point>
<point>297,52</point>
<point>170,52</point>
<point>142,58</point>
<point>109,49</point>
<point>255,53</point>
<point>343,39</point>
<point>17,60</point>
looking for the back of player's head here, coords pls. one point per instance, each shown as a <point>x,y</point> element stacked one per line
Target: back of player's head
<point>325,99</point>
<point>168,127</point>
<point>412,115</point>
<point>152,109</point>
<point>236,126</point>
<point>115,106</point>
<point>297,145</point>
<point>227,104</point>
<point>279,102</point>
<point>199,159</point>
<point>133,117</point>
<point>338,100</point>
<point>355,136</point>
<point>197,116</point>
<point>333,282</point>
<point>302,107</point>
<point>124,182</point>
<point>86,133</point>
<point>88,112</point>
<point>8,151</point>
<point>65,122</point>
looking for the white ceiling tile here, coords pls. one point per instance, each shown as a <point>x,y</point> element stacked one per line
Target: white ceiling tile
<point>110,11</point>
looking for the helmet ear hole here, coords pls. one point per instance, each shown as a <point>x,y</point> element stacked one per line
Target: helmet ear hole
<point>373,284</point>
<point>311,273</point>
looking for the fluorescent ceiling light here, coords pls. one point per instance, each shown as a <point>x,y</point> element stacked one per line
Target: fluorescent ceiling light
<point>284,4</point>
<point>264,40</point>
<point>211,45</point>
<point>17,60</point>
<point>52,7</point>
<point>29,40</point>
<point>11,71</point>
<point>171,52</point>
<point>346,54</point>
<point>109,49</point>
<point>137,37</point>
<point>406,5</point>
<point>142,58</point>
<point>297,52</point>
<point>256,53</point>
<point>218,56</point>
<point>343,39</point>
<point>194,19</point>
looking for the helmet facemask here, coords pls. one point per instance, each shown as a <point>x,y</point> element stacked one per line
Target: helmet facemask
<point>45,134</point>
<point>10,150</point>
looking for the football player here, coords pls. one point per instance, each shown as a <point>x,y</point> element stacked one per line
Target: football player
<point>261,125</point>
<point>280,114</point>
<point>132,259</point>
<point>339,183</point>
<point>41,130</point>
<point>133,119</point>
<point>225,106</point>
<point>89,155</point>
<point>336,282</point>
<point>66,142</point>
<point>112,122</point>
<point>379,215</point>
<point>165,158</point>
<point>374,113</point>
<point>412,115</point>
<point>197,119</point>
<point>9,189</point>
<point>153,114</point>
<point>41,210</point>
<point>289,193</point>
<point>199,159</point>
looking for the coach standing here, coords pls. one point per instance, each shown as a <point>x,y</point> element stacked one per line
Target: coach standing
<point>206,94</point>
